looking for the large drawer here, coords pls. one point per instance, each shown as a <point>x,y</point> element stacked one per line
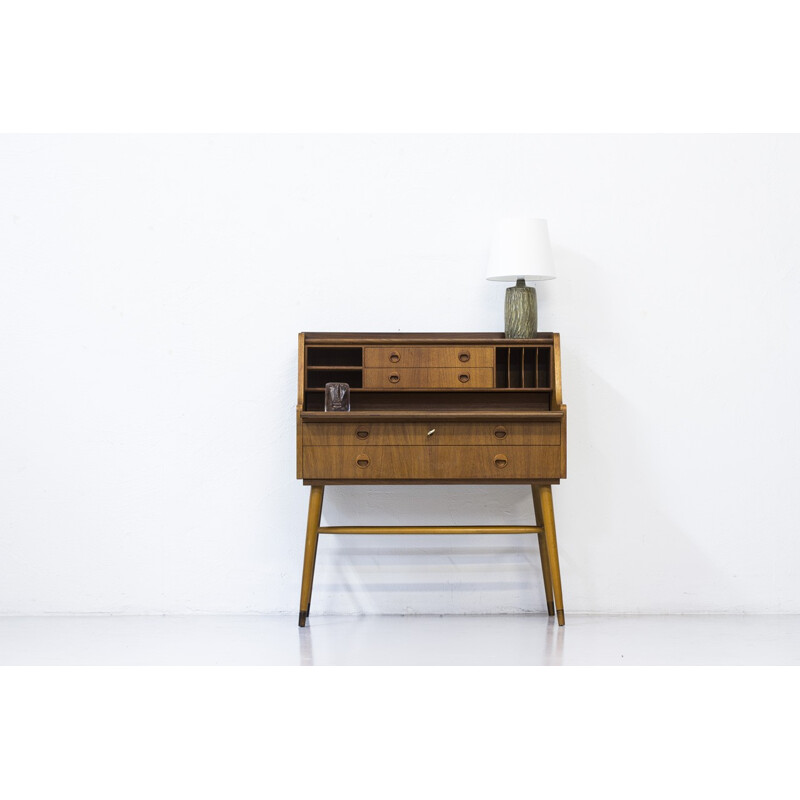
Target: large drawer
<point>433,463</point>
<point>429,356</point>
<point>429,378</point>
<point>431,433</point>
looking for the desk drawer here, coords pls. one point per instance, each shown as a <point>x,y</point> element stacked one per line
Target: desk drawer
<point>431,463</point>
<point>432,434</point>
<point>428,356</point>
<point>429,378</point>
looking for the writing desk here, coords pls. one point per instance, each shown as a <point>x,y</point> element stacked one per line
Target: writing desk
<point>433,408</point>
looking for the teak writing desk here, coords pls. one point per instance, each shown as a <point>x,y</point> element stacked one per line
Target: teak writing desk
<point>430,408</point>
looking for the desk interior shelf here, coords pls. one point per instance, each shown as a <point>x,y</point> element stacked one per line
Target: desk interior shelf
<point>523,367</point>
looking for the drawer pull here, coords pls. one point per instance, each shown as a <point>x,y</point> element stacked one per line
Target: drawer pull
<point>464,377</point>
<point>362,461</point>
<point>500,432</point>
<point>463,357</point>
<point>500,461</point>
<point>362,433</point>
<point>394,378</point>
<point>394,356</point>
<point>431,432</point>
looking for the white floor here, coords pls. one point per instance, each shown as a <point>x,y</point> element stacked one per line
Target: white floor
<point>402,640</point>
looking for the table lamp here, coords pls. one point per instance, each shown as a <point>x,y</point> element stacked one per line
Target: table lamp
<point>521,251</point>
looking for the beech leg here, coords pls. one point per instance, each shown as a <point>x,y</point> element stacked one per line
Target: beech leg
<point>548,581</point>
<point>310,558</point>
<point>548,520</point>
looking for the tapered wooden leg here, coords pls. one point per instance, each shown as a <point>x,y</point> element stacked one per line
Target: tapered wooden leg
<point>548,582</point>
<point>310,558</point>
<point>548,520</point>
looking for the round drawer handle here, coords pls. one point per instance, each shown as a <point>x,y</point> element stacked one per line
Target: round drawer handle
<point>394,356</point>
<point>463,357</point>
<point>362,461</point>
<point>394,378</point>
<point>362,433</point>
<point>500,461</point>
<point>500,432</point>
<point>464,377</point>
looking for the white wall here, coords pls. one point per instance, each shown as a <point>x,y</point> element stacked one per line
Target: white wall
<point>153,289</point>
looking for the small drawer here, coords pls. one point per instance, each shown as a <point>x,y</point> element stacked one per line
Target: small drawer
<point>429,356</point>
<point>429,378</point>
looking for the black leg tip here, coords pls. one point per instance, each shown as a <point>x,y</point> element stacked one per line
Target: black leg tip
<point>560,615</point>
<point>551,609</point>
<point>303,617</point>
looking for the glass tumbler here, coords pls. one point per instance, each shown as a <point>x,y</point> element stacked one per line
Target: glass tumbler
<point>337,397</point>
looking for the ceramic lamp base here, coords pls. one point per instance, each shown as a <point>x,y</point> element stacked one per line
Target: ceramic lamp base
<point>521,313</point>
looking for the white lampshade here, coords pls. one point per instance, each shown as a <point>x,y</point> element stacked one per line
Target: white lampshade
<point>521,249</point>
